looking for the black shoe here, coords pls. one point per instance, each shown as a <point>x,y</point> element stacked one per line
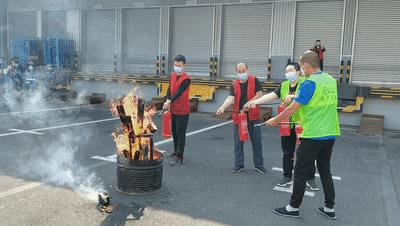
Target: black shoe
<point>261,169</point>
<point>312,185</point>
<point>177,161</point>
<point>330,215</point>
<point>172,155</point>
<point>237,169</point>
<point>286,181</point>
<point>283,212</point>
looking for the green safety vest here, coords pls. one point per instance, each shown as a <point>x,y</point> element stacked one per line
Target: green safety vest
<point>319,116</point>
<point>285,87</point>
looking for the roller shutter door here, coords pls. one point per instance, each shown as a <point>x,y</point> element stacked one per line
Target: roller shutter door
<point>376,57</point>
<point>55,24</point>
<point>246,38</point>
<point>323,21</point>
<point>98,41</point>
<point>140,40</point>
<point>22,24</point>
<point>191,35</point>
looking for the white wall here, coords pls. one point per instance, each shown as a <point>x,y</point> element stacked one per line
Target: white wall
<point>3,30</point>
<point>387,108</point>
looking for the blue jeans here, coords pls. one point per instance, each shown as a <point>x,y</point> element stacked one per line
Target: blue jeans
<point>255,137</point>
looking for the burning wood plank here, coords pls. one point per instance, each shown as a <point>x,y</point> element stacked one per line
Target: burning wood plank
<point>134,140</point>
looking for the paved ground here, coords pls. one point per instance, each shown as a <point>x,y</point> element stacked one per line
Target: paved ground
<point>42,168</point>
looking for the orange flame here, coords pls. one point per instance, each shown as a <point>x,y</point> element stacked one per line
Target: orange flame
<point>139,146</point>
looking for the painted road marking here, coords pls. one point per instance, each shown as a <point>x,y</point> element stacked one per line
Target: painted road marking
<point>317,175</point>
<point>20,189</point>
<point>290,190</point>
<point>57,127</point>
<point>44,110</point>
<point>113,158</point>
<point>26,131</point>
<point>93,166</point>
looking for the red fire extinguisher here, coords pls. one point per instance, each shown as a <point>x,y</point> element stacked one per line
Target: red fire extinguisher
<point>243,130</point>
<point>284,128</point>
<point>299,130</point>
<point>166,124</point>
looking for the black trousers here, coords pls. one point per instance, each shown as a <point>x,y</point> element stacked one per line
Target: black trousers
<point>308,152</point>
<point>288,144</point>
<point>321,64</point>
<point>179,125</point>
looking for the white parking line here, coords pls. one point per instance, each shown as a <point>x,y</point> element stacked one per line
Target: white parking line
<point>26,131</point>
<point>20,189</point>
<point>290,190</point>
<point>113,158</point>
<point>75,124</point>
<point>317,175</point>
<point>57,127</point>
<point>44,110</point>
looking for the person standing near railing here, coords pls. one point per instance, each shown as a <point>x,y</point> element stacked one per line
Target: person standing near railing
<point>29,77</point>
<point>320,50</point>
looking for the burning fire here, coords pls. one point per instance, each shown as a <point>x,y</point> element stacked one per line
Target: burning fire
<point>134,139</point>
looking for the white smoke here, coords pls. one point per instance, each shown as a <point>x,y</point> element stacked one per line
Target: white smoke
<point>81,98</point>
<point>56,165</point>
<point>55,160</point>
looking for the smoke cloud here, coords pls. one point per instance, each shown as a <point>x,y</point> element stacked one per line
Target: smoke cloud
<point>52,157</point>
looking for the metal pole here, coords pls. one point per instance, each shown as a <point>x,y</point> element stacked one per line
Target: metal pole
<point>151,148</point>
<point>354,39</point>
<point>271,30</point>
<point>294,30</point>
<point>213,32</point>
<point>343,24</point>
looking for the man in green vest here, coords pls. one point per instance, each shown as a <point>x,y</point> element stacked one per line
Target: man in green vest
<point>317,102</point>
<point>286,93</point>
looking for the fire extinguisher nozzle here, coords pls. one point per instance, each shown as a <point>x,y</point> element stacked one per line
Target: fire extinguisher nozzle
<point>261,124</point>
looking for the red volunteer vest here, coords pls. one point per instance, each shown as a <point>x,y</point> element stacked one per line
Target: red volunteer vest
<point>254,113</point>
<point>181,105</point>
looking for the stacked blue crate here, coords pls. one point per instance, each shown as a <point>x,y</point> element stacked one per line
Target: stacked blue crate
<point>58,52</point>
<point>66,52</point>
<point>25,49</point>
<point>48,51</point>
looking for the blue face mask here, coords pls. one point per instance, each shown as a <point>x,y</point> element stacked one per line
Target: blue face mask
<point>178,69</point>
<point>291,76</point>
<point>243,76</point>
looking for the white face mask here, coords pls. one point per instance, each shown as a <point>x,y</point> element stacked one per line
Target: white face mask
<point>243,76</point>
<point>291,76</point>
<point>178,69</point>
<point>30,68</point>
